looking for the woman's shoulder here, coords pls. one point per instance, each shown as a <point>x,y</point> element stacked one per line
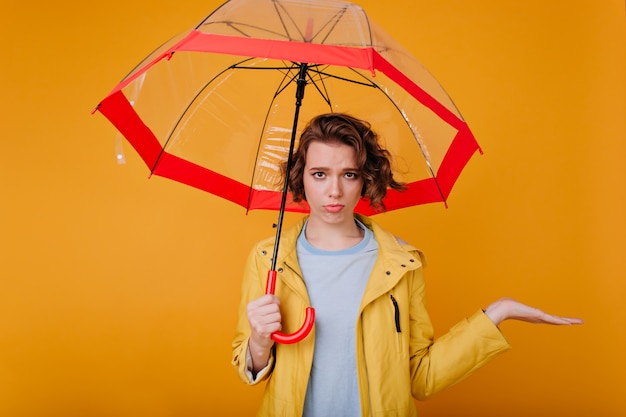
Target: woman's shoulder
<point>390,241</point>
<point>410,248</point>
<point>288,238</point>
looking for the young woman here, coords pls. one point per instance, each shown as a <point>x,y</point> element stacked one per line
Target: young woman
<point>372,349</point>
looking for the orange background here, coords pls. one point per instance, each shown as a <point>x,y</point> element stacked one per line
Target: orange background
<point>118,294</point>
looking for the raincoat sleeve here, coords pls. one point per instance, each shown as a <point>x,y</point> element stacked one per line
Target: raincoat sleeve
<point>436,365</point>
<point>252,287</point>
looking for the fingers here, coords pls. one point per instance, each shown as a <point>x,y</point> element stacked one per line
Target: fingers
<point>264,316</point>
<point>558,320</point>
<point>542,317</point>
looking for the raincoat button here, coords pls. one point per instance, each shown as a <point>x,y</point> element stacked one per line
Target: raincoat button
<point>403,266</point>
<point>280,270</point>
<point>412,260</point>
<point>388,272</point>
<point>263,252</point>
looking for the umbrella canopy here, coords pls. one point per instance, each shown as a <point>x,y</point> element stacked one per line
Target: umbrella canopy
<point>214,107</point>
<point>217,107</point>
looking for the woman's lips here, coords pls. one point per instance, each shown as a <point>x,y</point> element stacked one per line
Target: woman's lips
<point>333,208</point>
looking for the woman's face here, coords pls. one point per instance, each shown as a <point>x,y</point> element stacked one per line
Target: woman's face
<point>332,183</point>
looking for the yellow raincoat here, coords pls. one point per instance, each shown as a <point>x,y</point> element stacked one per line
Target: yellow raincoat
<point>393,366</point>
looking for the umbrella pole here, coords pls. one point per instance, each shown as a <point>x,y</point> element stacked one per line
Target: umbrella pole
<point>271,275</point>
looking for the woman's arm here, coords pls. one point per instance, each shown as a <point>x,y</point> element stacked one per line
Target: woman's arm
<point>264,318</point>
<point>246,347</point>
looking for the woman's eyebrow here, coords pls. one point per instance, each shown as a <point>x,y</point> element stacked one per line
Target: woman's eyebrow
<point>323,168</point>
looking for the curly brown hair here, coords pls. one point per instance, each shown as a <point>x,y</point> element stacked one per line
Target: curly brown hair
<point>374,162</point>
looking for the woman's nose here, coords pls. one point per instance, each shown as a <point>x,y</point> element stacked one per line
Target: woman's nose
<point>335,188</point>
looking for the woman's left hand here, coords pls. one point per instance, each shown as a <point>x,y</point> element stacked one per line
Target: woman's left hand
<point>510,309</point>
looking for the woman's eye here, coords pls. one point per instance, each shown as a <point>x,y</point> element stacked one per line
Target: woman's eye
<point>318,174</point>
<point>351,175</point>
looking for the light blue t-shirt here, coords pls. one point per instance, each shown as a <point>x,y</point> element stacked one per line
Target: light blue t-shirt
<point>335,281</point>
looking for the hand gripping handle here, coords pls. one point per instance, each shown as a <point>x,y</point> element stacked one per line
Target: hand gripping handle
<point>309,318</point>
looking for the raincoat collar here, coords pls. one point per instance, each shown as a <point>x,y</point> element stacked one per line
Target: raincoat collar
<point>395,258</point>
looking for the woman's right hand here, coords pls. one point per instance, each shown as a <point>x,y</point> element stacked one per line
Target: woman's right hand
<point>264,318</point>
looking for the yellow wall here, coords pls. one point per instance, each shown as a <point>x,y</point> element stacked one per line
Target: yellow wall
<point>118,293</point>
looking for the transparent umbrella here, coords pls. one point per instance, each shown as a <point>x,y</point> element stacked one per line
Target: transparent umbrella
<point>217,107</point>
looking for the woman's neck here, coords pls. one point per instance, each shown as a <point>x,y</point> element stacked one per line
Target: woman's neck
<point>333,237</point>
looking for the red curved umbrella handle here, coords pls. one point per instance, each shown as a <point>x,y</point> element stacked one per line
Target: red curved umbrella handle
<point>301,333</point>
<point>306,327</point>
